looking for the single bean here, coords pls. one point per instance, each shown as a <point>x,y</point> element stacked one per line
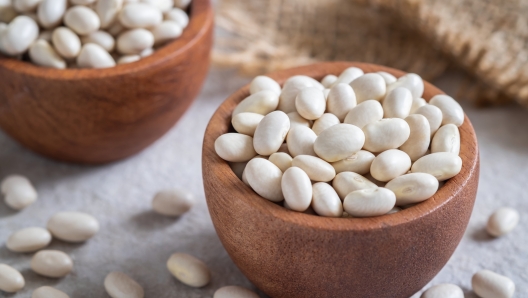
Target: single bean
<point>134,41</point>
<point>369,202</point>
<point>328,80</point>
<point>300,140</point>
<point>235,147</point>
<point>50,12</point>
<point>502,221</point>
<point>325,201</point>
<point>271,132</point>
<point>66,42</point>
<point>94,56</point>
<point>390,164</point>
<point>411,81</point>
<point>174,202</point>
<point>446,139</point>
<point>385,134</point>
<point>325,121</point>
<point>42,53</point>
<point>234,292</point>
<point>18,191</point>
<point>246,123</point>
<point>397,103</point>
<point>310,103</point>
<point>51,263</point>
<point>297,189</point>
<point>265,179</point>
<point>48,292</point>
<point>19,35</point>
<point>317,169</point>
<point>73,226</point>
<point>348,75</point>
<point>358,162</point>
<point>28,240</point>
<point>413,188</point>
<point>140,15</point>
<point>120,285</point>
<point>189,270</point>
<point>281,160</point>
<point>488,284</point>
<point>179,16</point>
<point>419,137</point>
<point>369,86</point>
<point>338,142</point>
<point>442,165</point>
<point>367,112</point>
<point>262,102</point>
<point>451,110</point>
<point>341,99</point>
<point>82,20</point>
<point>347,182</point>
<point>259,83</point>
<point>11,280</point>
<point>166,31</point>
<point>443,291</point>
<point>433,115</point>
<point>417,103</point>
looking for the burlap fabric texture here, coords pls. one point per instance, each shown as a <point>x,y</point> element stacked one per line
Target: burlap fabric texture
<point>486,38</point>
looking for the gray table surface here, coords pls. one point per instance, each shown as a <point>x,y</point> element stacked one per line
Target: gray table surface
<point>135,240</point>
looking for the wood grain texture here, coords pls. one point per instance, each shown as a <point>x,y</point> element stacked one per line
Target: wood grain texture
<point>102,115</point>
<point>291,254</point>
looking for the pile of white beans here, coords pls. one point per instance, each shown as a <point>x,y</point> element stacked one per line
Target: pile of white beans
<point>356,145</point>
<point>88,33</point>
<point>77,227</point>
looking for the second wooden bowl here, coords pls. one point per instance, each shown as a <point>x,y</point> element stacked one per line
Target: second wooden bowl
<point>291,254</point>
<point>102,115</point>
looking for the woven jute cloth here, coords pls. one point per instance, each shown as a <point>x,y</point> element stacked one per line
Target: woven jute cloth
<point>485,38</point>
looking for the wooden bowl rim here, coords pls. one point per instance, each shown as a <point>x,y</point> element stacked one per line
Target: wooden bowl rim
<point>196,28</point>
<point>218,125</point>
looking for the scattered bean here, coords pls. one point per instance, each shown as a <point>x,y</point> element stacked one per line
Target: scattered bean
<point>189,270</point>
<point>11,280</point>
<point>102,38</point>
<point>73,226</point>
<point>51,263</point>
<point>502,221</point>
<point>19,35</point>
<point>174,202</point>
<point>128,59</point>
<point>291,88</point>
<point>134,41</point>
<point>50,12</point>
<point>18,192</point>
<point>48,292</point>
<point>234,292</point>
<point>348,75</point>
<point>417,103</point>
<point>28,240</point>
<point>166,31</point>
<point>389,79</point>
<point>488,284</point>
<point>107,10</point>
<point>120,285</point>
<point>179,16</point>
<point>443,291</point>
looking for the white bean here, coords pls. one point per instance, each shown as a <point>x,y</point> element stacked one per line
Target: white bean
<point>25,5</point>
<point>358,162</point>
<point>234,292</point>
<point>94,56</point>
<point>367,112</point>
<point>19,35</point>
<point>397,103</point>
<point>338,142</point>
<point>140,15</point>
<point>389,79</point>
<point>488,284</point>
<point>128,59</point>
<point>310,103</point>
<point>419,138</point>
<point>162,5</point>
<point>452,112</point>
<point>297,189</point>
<point>235,147</point>
<point>291,88</point>
<point>50,12</point>
<point>107,11</point>
<point>390,164</point>
<point>146,52</point>
<point>502,221</point>
<point>73,226</point>
<point>246,123</point>
<point>446,139</point>
<point>316,168</point>
<point>28,240</point>
<point>347,182</point>
<point>43,54</point>
<point>11,280</point>
<point>281,160</point>
<point>300,140</point>
<point>385,134</point>
<point>66,42</point>
<point>166,31</point>
<point>120,285</point>
<point>82,20</point>
<point>328,80</point>
<point>259,83</point>
<point>179,16</point>
<point>433,115</point>
<point>51,263</point>
<point>174,202</point>
<point>442,165</point>
<point>296,119</point>
<point>369,202</point>
<point>411,81</point>
<point>265,179</point>
<point>102,38</point>
<point>189,270</point>
<point>262,102</point>
<point>443,291</point>
<point>325,201</point>
<point>325,121</point>
<point>341,99</point>
<point>7,11</point>
<point>413,188</point>
<point>134,41</point>
<point>18,191</point>
<point>271,132</point>
<point>348,75</point>
<point>48,292</point>
<point>369,86</point>
<point>417,103</point>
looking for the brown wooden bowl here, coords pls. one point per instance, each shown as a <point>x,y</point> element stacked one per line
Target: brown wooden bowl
<point>291,254</point>
<point>102,115</point>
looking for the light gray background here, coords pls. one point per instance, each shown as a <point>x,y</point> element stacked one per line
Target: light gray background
<point>135,240</point>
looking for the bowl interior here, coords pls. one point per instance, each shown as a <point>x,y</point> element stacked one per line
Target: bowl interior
<point>221,123</point>
<point>199,23</point>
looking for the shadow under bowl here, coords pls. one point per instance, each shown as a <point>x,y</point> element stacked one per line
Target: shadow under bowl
<point>291,254</point>
<point>101,115</point>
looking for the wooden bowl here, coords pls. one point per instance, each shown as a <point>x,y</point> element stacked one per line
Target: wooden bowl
<point>291,254</point>
<point>102,115</point>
